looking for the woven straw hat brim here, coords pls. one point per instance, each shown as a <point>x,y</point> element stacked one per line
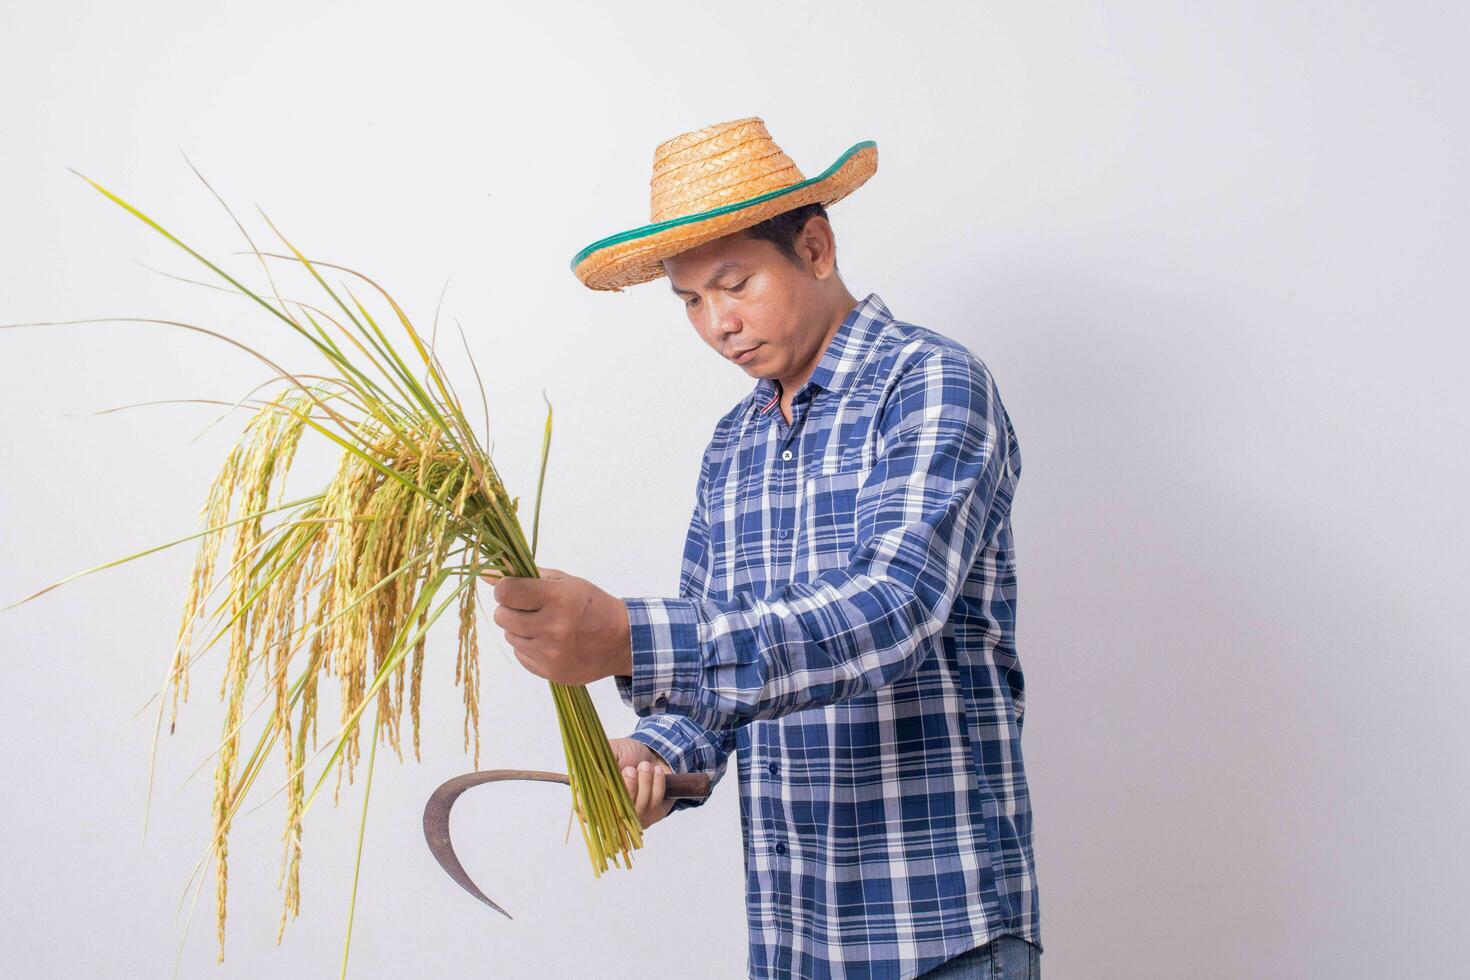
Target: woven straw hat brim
<point>633,256</point>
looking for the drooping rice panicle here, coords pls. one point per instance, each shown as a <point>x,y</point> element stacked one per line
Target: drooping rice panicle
<point>348,582</point>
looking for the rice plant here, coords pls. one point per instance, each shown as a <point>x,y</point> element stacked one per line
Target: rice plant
<point>347,582</point>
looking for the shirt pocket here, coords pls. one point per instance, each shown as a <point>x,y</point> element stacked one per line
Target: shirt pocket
<point>827,530</point>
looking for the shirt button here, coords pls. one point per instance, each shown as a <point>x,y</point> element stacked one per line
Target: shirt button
<point>660,702</point>
<point>780,847</point>
<point>774,769</point>
<point>784,533</point>
<point>786,454</point>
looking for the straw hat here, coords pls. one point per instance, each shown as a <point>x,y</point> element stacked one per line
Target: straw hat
<point>711,182</point>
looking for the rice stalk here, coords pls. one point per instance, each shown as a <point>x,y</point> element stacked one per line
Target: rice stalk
<point>346,584</point>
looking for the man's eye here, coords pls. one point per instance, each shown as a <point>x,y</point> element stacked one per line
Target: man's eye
<point>739,285</point>
<point>692,301</point>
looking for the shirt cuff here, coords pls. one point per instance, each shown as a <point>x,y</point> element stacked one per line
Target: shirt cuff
<point>664,637</point>
<point>669,744</point>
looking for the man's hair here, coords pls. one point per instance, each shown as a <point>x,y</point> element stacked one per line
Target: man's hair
<point>781,229</point>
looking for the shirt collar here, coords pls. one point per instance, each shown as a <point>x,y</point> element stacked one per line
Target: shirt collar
<point>845,353</point>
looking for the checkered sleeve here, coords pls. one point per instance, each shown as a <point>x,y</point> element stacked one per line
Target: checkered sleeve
<point>922,513</point>
<point>683,743</point>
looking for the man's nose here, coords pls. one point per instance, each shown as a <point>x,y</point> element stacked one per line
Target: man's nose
<point>726,321</point>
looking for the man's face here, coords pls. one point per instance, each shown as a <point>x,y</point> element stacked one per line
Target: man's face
<point>741,294</point>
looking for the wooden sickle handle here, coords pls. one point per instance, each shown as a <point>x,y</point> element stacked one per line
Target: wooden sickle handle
<point>686,786</point>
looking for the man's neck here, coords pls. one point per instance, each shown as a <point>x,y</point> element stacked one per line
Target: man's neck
<point>788,387</point>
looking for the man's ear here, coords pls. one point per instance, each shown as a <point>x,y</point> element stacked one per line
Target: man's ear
<point>818,245</point>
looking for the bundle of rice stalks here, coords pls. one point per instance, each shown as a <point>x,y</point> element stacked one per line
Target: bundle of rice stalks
<point>347,582</point>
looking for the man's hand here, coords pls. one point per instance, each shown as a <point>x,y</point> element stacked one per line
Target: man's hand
<point>562,627</point>
<point>643,773</point>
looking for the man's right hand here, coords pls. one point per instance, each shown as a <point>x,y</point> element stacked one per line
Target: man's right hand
<point>643,774</point>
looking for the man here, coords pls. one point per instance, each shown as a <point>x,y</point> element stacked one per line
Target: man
<point>845,623</point>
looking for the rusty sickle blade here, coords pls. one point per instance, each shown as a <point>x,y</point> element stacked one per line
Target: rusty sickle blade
<point>688,786</point>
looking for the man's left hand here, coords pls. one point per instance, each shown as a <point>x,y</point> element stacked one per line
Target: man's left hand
<point>562,627</point>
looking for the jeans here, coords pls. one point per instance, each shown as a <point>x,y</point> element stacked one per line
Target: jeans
<point>1003,958</point>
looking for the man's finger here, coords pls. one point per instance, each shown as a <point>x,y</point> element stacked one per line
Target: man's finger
<point>645,789</point>
<point>514,620</point>
<point>656,794</point>
<point>529,662</point>
<point>525,644</point>
<point>520,593</point>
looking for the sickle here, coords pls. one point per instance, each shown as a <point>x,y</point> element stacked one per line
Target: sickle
<point>688,786</point>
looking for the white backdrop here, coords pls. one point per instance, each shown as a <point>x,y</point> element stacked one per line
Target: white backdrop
<point>1214,254</point>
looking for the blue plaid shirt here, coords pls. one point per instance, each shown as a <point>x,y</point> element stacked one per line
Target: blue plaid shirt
<point>846,621</point>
